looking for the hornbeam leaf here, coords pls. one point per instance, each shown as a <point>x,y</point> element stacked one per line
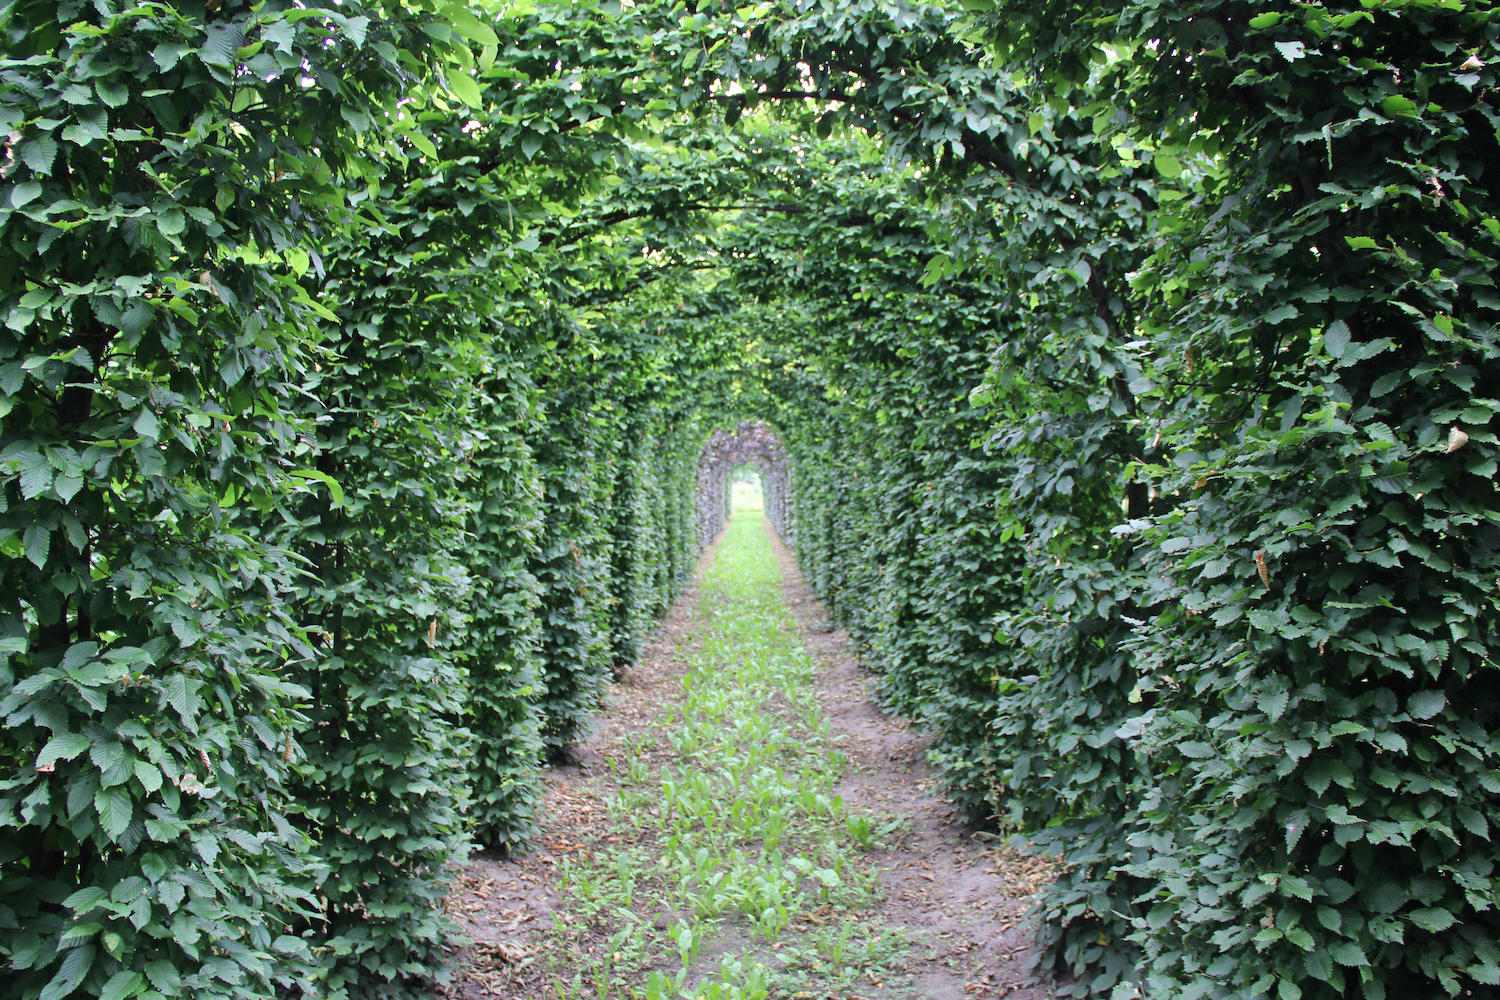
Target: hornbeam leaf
<point>1432,918</point>
<point>39,153</point>
<point>1397,106</point>
<point>1426,704</point>
<point>325,479</point>
<point>38,541</point>
<point>464,88</point>
<point>63,746</point>
<point>125,983</point>
<point>115,810</point>
<point>1336,338</point>
<point>464,22</point>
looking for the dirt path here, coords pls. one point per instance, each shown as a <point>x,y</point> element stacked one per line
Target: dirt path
<point>959,903</point>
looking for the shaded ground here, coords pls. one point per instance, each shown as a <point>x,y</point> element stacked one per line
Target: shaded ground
<point>961,901</point>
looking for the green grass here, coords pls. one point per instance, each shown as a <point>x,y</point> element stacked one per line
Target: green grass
<point>736,863</point>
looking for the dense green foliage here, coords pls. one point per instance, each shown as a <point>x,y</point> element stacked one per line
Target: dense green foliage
<point>370,376</point>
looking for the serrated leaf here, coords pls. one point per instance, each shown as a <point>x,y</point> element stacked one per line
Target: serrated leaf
<point>146,424</point>
<point>67,487</point>
<point>86,899</point>
<point>115,810</point>
<point>164,976</point>
<point>1361,242</point>
<point>123,984</point>
<point>112,93</point>
<point>171,222</point>
<point>63,746</point>
<point>1474,821</point>
<point>1336,338</point>
<point>333,485</point>
<point>1397,106</point>
<point>1347,953</point>
<point>38,542</point>
<point>25,193</point>
<point>464,88</point>
<point>75,965</point>
<point>39,154</point>
<point>1426,704</point>
<point>36,479</point>
<point>1292,51</point>
<point>149,775</point>
<point>182,695</point>
<point>1432,918</point>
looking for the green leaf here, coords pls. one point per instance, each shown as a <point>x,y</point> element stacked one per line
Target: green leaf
<point>1433,919</point>
<point>1270,19</point>
<point>1397,106</point>
<point>324,478</point>
<point>423,143</point>
<point>1426,704</point>
<point>38,541</point>
<point>1168,166</point>
<point>36,479</point>
<point>149,775</point>
<point>298,260</point>
<point>463,21</point>
<point>66,487</point>
<point>115,810</point>
<point>63,746</point>
<point>86,899</point>
<point>182,695</point>
<point>171,222</point>
<point>1347,953</point>
<point>146,424</point>
<point>39,154</point>
<point>25,193</point>
<point>75,965</point>
<point>1336,338</point>
<point>125,983</point>
<point>1361,242</point>
<point>164,976</point>
<point>464,88</point>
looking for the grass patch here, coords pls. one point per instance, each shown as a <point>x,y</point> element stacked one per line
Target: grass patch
<point>733,871</point>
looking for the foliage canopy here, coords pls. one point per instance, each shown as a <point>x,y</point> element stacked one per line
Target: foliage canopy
<point>1120,373</point>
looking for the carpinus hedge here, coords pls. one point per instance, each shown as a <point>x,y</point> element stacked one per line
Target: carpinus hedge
<point>161,168</point>
<point>1120,371</point>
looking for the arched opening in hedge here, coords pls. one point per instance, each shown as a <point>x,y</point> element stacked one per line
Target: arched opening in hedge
<point>752,443</point>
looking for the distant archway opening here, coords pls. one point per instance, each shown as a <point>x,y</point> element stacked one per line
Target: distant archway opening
<point>751,453</point>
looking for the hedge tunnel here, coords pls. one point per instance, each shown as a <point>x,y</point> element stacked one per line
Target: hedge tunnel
<point>1122,373</point>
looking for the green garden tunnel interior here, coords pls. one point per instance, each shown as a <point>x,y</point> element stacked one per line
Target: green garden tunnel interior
<point>1138,438</point>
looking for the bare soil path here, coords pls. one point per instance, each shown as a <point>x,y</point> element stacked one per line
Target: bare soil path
<point>953,904</point>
